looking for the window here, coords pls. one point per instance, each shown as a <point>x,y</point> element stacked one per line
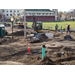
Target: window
<point>51,17</point>
<point>7,14</point>
<point>33,13</point>
<point>14,11</point>
<point>25,13</point>
<point>39,13</point>
<point>10,14</point>
<point>17,10</point>
<point>7,10</point>
<point>2,10</point>
<point>10,10</point>
<point>43,13</point>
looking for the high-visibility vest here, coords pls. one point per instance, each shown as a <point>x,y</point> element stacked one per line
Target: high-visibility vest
<point>61,27</point>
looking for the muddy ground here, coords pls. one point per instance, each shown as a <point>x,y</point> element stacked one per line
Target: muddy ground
<point>58,50</point>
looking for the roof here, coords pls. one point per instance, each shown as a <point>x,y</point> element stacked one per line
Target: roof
<point>44,10</point>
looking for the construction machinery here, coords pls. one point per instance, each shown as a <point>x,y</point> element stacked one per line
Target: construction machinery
<point>19,23</point>
<point>49,29</point>
<point>37,25</point>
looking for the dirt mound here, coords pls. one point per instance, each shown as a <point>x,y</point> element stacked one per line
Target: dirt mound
<point>60,38</point>
<point>7,25</point>
<point>7,41</point>
<point>69,48</point>
<point>43,37</point>
<point>65,52</point>
<point>17,33</point>
<point>57,34</point>
<point>29,60</point>
<point>45,61</point>
<point>59,55</point>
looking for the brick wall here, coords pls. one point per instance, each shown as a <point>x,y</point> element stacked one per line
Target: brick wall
<point>37,18</point>
<point>41,18</point>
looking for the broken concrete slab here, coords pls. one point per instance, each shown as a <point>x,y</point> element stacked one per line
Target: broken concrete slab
<point>49,35</point>
<point>53,46</point>
<point>30,35</point>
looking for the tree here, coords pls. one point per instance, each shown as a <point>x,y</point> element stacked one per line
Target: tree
<point>60,14</point>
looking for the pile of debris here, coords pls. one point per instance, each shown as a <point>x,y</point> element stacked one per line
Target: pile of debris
<point>45,61</point>
<point>43,37</point>
<point>18,33</point>
<point>7,25</point>
<point>68,37</point>
<point>57,34</point>
<point>65,52</point>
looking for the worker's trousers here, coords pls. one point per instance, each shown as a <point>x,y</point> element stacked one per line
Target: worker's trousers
<point>61,30</point>
<point>68,31</point>
<point>56,29</point>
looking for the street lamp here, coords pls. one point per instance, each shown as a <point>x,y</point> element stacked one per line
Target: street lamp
<point>25,25</point>
<point>12,26</point>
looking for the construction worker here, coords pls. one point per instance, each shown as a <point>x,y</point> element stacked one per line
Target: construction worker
<point>35,33</point>
<point>68,28</point>
<point>61,29</point>
<point>56,28</point>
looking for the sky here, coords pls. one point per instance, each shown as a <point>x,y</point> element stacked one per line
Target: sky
<point>65,10</point>
<point>62,10</point>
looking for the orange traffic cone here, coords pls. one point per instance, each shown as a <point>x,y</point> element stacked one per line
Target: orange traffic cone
<point>29,53</point>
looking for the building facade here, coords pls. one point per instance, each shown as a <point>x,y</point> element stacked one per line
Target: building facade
<point>40,15</point>
<point>45,15</point>
<point>9,12</point>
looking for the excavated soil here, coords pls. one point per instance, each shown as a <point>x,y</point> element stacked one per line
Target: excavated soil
<point>14,51</point>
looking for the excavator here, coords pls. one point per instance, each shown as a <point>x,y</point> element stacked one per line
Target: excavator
<point>19,23</point>
<point>37,25</point>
